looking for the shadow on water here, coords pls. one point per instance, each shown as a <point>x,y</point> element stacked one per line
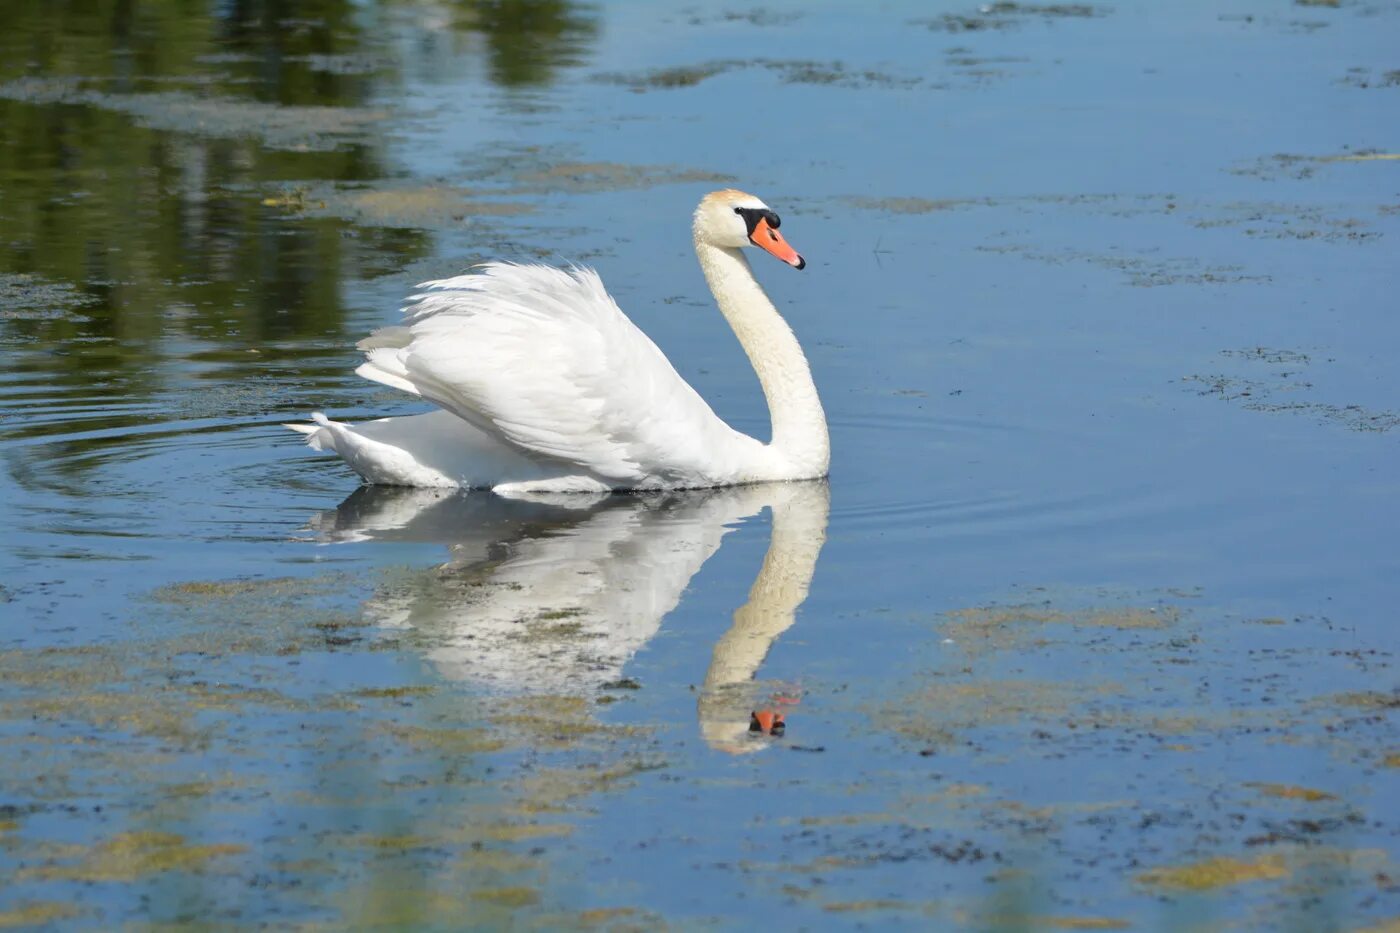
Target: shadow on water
<point>556,594</point>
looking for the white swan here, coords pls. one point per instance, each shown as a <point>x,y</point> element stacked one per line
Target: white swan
<point>543,384</point>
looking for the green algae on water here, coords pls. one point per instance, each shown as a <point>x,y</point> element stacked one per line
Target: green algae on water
<point>133,855</point>
<point>37,913</point>
<point>1215,873</point>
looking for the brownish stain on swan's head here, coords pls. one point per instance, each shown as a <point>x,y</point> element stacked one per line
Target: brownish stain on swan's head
<point>735,219</point>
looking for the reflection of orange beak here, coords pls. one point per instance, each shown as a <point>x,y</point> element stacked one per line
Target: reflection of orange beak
<point>767,722</point>
<point>765,237</point>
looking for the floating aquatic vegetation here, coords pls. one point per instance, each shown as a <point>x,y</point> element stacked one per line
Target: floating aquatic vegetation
<point>130,856</point>
<point>398,206</point>
<point>37,913</point>
<point>1215,873</point>
<point>1291,377</point>
<point>1004,14</point>
<point>1286,165</point>
<point>909,205</point>
<point>1140,271</point>
<point>29,297</point>
<point>791,71</point>
<point>1291,792</point>
<point>297,128</point>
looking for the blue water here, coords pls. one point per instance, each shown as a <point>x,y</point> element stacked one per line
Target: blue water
<point>1091,628</point>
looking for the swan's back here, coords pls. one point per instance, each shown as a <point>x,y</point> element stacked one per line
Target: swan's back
<point>542,360</point>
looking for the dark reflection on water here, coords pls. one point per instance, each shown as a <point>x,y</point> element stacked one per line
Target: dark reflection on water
<point>137,230</point>
<point>165,231</point>
<point>529,40</point>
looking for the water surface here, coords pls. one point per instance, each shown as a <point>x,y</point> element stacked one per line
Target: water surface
<point>1091,628</point>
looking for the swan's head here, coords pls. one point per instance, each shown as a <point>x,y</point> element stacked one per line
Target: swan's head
<point>735,219</point>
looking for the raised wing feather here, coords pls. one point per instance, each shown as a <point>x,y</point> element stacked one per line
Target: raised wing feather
<point>544,359</point>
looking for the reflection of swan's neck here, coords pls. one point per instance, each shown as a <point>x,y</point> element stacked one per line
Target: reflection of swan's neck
<point>799,530</point>
<point>799,424</point>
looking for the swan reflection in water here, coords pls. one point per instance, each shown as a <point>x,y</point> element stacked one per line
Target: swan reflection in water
<point>555,593</point>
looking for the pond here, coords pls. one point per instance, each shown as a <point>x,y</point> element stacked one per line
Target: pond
<point>1092,626</point>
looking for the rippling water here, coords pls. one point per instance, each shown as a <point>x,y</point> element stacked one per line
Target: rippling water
<point>1091,628</point>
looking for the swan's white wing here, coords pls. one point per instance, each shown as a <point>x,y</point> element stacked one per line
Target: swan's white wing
<point>544,359</point>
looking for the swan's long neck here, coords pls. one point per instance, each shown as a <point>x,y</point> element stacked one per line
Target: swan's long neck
<point>799,424</point>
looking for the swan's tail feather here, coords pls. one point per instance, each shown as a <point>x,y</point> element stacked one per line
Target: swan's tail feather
<point>395,336</point>
<point>382,365</point>
<point>318,435</point>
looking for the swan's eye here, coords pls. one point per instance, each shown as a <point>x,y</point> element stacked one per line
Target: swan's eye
<point>752,215</point>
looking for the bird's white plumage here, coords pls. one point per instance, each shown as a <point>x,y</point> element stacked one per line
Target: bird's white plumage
<point>544,358</point>
<point>544,384</point>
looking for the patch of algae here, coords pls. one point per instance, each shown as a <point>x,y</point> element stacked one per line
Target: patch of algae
<point>36,913</point>
<point>395,693</point>
<point>935,713</point>
<point>395,843</point>
<point>291,612</point>
<point>224,589</point>
<point>295,128</point>
<point>549,790</point>
<point>555,722</point>
<point>906,205</point>
<point>983,629</point>
<point>430,206</point>
<point>674,77</point>
<point>1051,922</point>
<point>874,904</point>
<point>847,819</point>
<point>792,71</point>
<point>134,855</point>
<point>198,789</point>
<point>580,177</point>
<point>878,905</point>
<point>614,919</point>
<point>28,297</point>
<point>518,896</point>
<point>455,740</point>
<point>514,832</point>
<point>1305,166</point>
<point>107,711</point>
<point>1290,791</point>
<point>1364,699</point>
<point>399,902</point>
<point>1214,873</point>
<point>1079,923</point>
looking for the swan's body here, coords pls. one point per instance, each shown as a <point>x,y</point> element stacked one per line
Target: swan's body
<point>542,383</point>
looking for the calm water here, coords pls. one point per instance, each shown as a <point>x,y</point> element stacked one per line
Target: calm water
<point>1093,626</point>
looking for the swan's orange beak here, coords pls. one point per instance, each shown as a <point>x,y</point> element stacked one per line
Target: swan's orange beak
<point>767,722</point>
<point>765,237</point>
